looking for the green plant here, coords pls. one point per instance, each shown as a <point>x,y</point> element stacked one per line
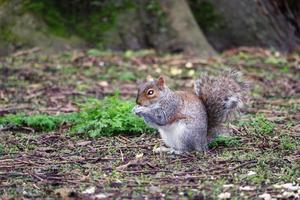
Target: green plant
<point>1,148</point>
<point>226,141</point>
<point>262,125</point>
<point>127,76</point>
<point>108,117</point>
<point>273,60</point>
<point>206,16</point>
<point>97,52</point>
<point>97,118</point>
<point>65,18</point>
<point>287,143</point>
<point>39,122</point>
<point>48,11</point>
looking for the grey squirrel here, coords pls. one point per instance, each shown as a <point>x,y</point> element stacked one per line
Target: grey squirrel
<point>188,120</point>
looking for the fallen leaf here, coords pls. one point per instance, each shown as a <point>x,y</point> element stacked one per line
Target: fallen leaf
<point>247,188</point>
<point>265,196</point>
<point>251,173</point>
<point>90,190</point>
<point>225,195</point>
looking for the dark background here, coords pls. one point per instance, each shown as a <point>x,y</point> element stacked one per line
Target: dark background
<point>197,27</point>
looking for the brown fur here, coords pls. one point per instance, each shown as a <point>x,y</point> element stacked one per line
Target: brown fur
<point>143,98</point>
<point>215,92</point>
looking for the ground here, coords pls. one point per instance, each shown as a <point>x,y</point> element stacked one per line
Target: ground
<point>264,159</point>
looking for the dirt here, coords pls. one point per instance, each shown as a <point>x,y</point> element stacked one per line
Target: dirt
<point>39,165</point>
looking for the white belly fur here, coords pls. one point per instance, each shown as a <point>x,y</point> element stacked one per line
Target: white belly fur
<point>171,134</point>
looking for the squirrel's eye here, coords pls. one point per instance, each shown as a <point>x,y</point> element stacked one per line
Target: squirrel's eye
<point>150,92</point>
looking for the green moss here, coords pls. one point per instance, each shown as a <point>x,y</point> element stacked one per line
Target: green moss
<point>155,9</point>
<point>259,124</point>
<point>6,33</point>
<point>205,15</point>
<point>87,19</point>
<point>262,125</point>
<point>50,14</point>
<point>40,122</point>
<point>226,141</point>
<point>288,143</point>
<point>1,148</point>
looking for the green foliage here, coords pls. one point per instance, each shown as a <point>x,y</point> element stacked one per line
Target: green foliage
<point>285,69</point>
<point>275,60</point>
<point>287,143</point>
<point>1,148</point>
<point>40,122</point>
<point>261,125</point>
<point>51,15</point>
<point>7,35</point>
<point>205,15</point>
<point>139,53</point>
<point>96,52</point>
<point>226,141</point>
<point>154,9</point>
<point>88,19</point>
<point>108,117</point>
<point>96,118</point>
<point>127,76</point>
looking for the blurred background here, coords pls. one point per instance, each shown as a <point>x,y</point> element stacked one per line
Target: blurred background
<point>195,27</point>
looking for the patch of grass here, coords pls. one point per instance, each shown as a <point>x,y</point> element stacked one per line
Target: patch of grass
<point>97,52</point>
<point>273,60</point>
<point>127,76</point>
<point>226,141</point>
<point>39,122</point>
<point>1,148</point>
<point>262,174</point>
<point>105,117</point>
<point>108,117</point>
<point>140,53</point>
<point>260,125</point>
<point>287,143</point>
<point>285,69</point>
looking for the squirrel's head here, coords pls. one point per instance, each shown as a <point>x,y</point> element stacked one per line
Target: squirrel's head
<point>150,92</point>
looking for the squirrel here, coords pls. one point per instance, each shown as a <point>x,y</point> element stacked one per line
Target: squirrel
<point>188,120</point>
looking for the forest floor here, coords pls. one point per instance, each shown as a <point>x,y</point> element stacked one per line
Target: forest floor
<point>38,165</point>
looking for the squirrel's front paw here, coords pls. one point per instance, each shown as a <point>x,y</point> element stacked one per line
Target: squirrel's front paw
<point>136,110</point>
<point>139,110</point>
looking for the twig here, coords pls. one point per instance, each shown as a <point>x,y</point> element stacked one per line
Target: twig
<point>122,156</point>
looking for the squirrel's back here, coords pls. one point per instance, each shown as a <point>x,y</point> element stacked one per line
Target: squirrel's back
<point>223,96</point>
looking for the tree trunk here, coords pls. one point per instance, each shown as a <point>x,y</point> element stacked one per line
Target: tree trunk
<point>251,23</point>
<point>174,31</point>
<point>19,29</point>
<point>187,32</point>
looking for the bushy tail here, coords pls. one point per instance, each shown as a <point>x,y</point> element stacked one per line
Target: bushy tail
<point>222,96</point>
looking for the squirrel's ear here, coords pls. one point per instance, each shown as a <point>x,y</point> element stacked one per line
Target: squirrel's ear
<point>161,82</point>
